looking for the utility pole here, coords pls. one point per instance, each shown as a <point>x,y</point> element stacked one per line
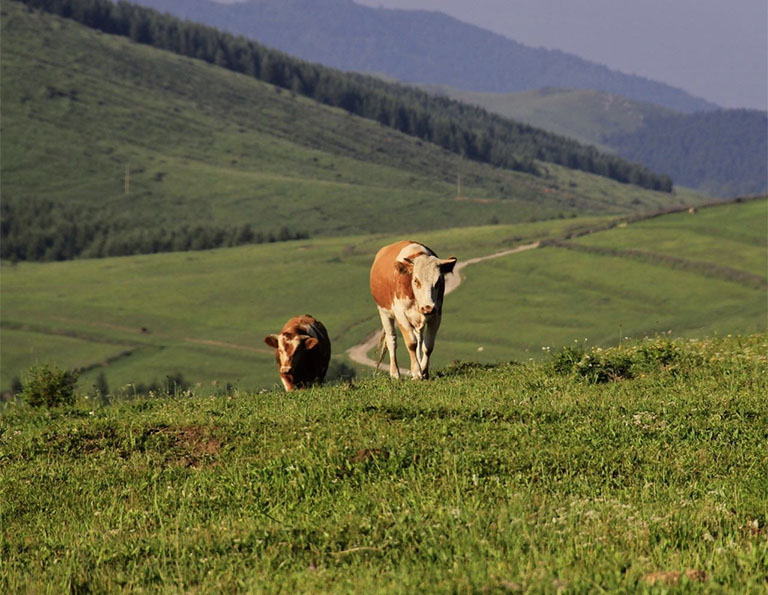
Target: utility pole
<point>127,179</point>
<point>458,186</point>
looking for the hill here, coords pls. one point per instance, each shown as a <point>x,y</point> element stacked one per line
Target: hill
<point>418,47</point>
<point>721,153</point>
<point>141,319</point>
<point>145,149</point>
<point>527,477</point>
<point>588,116</point>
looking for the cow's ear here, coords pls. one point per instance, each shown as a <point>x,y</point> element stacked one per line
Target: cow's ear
<point>404,267</point>
<point>271,340</point>
<point>446,266</point>
<point>310,343</point>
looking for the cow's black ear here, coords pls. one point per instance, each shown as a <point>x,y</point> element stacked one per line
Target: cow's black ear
<point>271,340</point>
<point>446,266</point>
<point>404,268</point>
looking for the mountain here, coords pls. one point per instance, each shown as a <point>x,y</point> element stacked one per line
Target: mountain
<point>582,114</point>
<point>136,149</point>
<point>417,46</point>
<point>722,153</point>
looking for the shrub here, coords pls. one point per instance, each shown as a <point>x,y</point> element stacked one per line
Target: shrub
<point>49,387</point>
<point>601,366</point>
<point>596,365</point>
<point>566,359</point>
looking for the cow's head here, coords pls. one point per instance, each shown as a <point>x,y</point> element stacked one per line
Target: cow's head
<point>290,350</point>
<point>427,276</point>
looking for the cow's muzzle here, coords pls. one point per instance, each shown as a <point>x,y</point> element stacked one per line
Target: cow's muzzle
<point>427,310</point>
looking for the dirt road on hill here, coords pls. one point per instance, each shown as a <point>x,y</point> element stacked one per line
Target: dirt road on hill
<point>359,353</point>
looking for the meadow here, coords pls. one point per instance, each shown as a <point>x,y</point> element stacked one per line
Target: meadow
<point>489,478</point>
<point>203,314</point>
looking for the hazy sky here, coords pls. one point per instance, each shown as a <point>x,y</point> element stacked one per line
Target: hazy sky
<point>715,49</point>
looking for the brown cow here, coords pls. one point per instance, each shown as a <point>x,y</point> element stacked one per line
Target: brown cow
<point>408,284</point>
<point>302,352</point>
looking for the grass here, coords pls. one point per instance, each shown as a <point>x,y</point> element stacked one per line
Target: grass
<point>741,244</point>
<point>501,478</point>
<point>203,144</point>
<point>514,308</point>
<point>204,314</point>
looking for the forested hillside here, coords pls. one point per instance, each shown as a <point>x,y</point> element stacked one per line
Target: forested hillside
<point>417,46</point>
<point>585,115</point>
<point>467,131</point>
<point>112,147</point>
<point>722,153</point>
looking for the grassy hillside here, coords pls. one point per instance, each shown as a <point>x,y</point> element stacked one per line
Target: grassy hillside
<point>514,478</point>
<point>204,145</point>
<point>205,314</point>
<point>559,294</point>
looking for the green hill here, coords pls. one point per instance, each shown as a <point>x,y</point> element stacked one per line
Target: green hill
<point>139,319</point>
<point>141,144</point>
<point>508,478</point>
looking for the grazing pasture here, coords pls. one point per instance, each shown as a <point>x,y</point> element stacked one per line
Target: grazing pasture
<point>484,479</point>
<point>204,314</point>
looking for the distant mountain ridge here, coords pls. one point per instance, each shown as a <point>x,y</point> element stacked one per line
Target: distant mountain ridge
<point>417,46</point>
<point>721,152</point>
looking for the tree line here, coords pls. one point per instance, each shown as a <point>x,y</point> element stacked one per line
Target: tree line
<point>42,230</point>
<point>467,130</point>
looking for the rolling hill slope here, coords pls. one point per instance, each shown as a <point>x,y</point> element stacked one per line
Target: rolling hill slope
<point>200,145</point>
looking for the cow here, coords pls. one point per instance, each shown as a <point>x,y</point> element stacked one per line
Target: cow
<point>408,284</point>
<point>302,351</point>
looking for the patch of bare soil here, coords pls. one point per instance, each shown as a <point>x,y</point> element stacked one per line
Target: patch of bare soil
<point>672,577</point>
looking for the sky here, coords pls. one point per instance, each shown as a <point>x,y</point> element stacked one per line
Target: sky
<point>715,49</point>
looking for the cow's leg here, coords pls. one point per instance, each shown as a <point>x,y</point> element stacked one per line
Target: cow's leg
<point>428,336</point>
<point>391,341</point>
<point>412,343</point>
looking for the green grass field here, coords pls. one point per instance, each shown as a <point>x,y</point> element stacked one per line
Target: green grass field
<point>506,479</point>
<point>205,313</point>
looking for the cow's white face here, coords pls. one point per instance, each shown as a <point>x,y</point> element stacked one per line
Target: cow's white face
<point>290,349</point>
<point>428,281</point>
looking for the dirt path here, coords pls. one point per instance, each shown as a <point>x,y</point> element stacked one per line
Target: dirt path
<point>359,352</point>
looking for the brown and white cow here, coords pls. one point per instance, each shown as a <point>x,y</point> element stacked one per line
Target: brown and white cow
<point>302,351</point>
<point>408,284</point>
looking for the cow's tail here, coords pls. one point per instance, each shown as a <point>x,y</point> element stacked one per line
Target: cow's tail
<point>382,347</point>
